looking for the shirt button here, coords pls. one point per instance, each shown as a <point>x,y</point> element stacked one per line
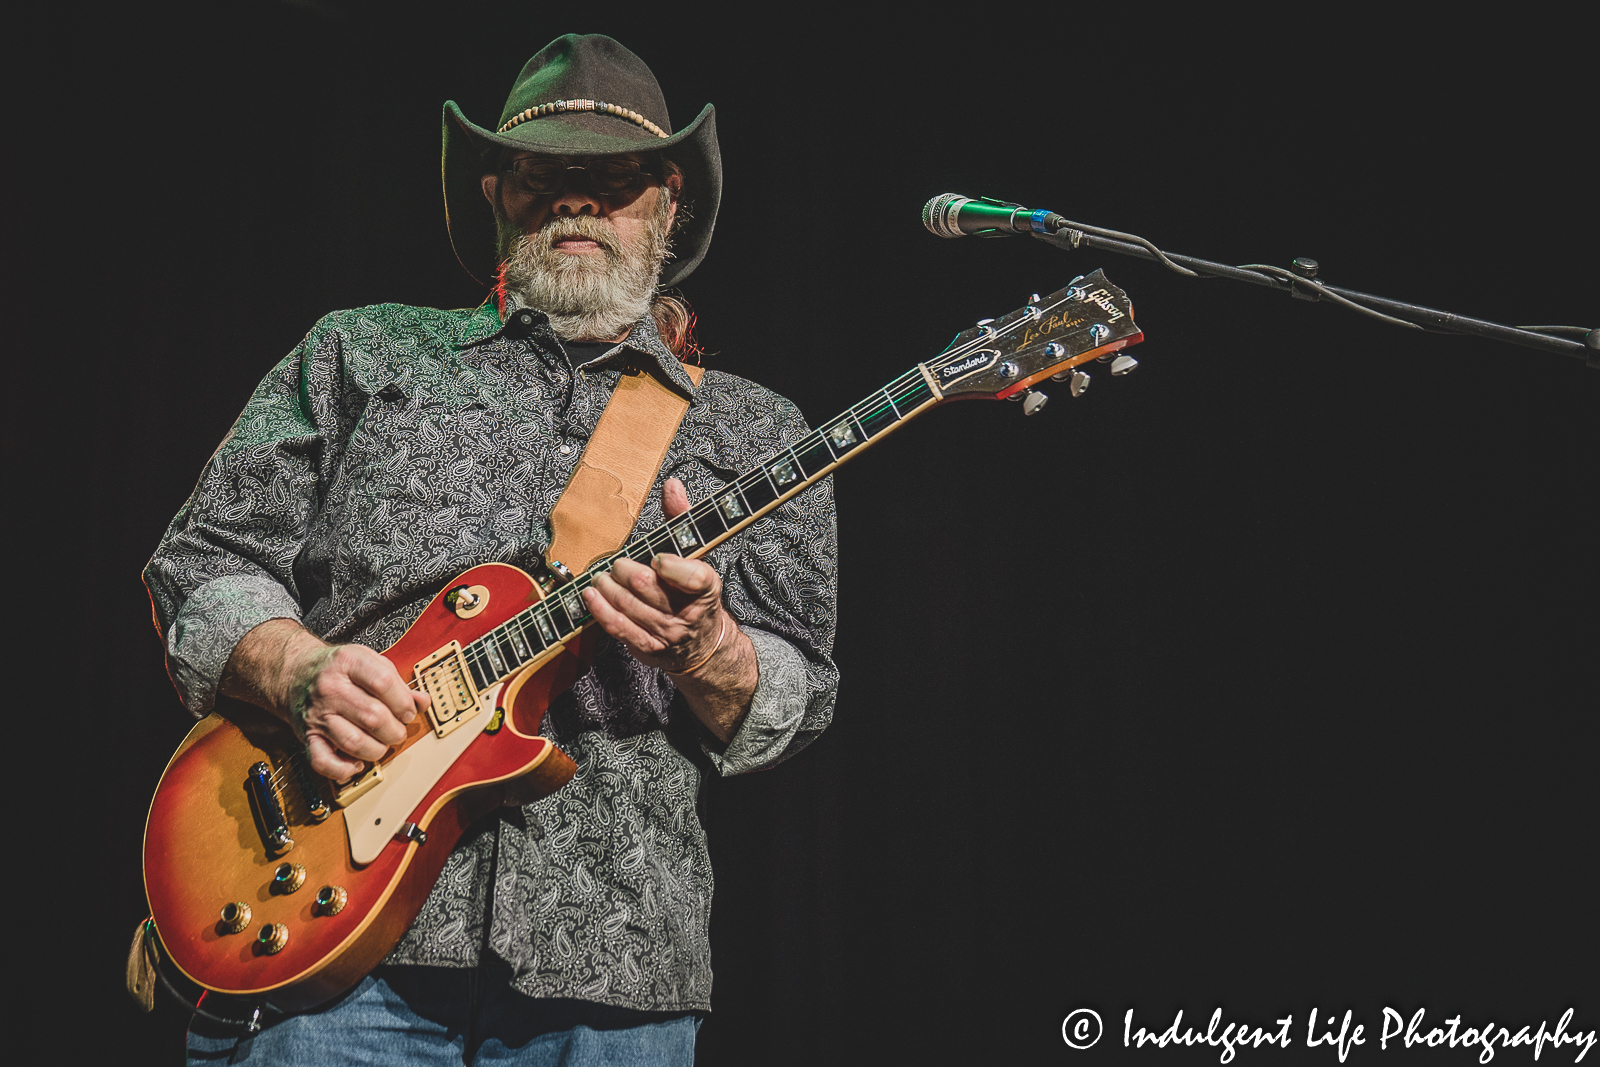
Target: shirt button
<point>566,450</point>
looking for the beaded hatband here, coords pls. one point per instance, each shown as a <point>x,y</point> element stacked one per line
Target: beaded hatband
<point>582,105</point>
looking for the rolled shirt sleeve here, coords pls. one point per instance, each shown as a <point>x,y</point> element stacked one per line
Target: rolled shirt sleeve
<point>778,709</point>
<point>211,623</point>
<point>227,561</point>
<point>780,581</point>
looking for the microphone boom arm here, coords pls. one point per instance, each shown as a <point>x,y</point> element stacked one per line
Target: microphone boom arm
<point>1300,282</point>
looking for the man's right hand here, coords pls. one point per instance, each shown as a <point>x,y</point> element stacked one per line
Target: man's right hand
<point>346,702</point>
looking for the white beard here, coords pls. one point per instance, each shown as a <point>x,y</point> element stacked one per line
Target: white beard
<point>587,297</point>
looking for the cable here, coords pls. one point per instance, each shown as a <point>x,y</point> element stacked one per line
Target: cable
<point>1576,331</point>
<point>1291,276</point>
<point>251,1025</point>
<point>1072,235</point>
<point>1118,235</point>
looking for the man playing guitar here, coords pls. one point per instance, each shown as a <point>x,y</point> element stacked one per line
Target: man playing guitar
<point>399,446</point>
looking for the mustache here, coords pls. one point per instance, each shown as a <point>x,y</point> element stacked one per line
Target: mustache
<point>583,227</point>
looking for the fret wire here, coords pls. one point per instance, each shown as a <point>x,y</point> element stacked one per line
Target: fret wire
<point>555,611</point>
<point>827,439</point>
<point>863,410</point>
<point>700,538</point>
<point>912,389</point>
<point>778,459</point>
<point>905,392</point>
<point>744,501</point>
<point>757,477</point>
<point>709,507</point>
<point>559,604</point>
<point>518,639</point>
<point>906,387</point>
<point>794,457</point>
<point>530,636</point>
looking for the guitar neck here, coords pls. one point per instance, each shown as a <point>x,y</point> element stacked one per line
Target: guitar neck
<point>708,523</point>
<point>995,359</point>
<point>784,474</point>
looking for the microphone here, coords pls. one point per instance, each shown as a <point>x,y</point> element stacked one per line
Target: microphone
<point>953,215</point>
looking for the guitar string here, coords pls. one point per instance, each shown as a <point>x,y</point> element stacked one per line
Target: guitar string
<point>904,387</point>
<point>901,388</point>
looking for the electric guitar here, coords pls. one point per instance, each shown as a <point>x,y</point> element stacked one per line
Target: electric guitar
<point>265,880</point>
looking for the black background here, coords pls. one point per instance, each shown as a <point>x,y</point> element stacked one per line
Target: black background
<point>1260,679</point>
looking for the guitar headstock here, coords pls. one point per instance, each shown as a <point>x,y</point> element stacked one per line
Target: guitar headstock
<point>1002,357</point>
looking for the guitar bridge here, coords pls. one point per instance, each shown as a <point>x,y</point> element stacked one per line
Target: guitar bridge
<point>444,676</point>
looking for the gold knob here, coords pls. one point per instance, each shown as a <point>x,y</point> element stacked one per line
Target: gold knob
<point>272,938</point>
<point>289,877</point>
<point>331,899</point>
<point>235,916</point>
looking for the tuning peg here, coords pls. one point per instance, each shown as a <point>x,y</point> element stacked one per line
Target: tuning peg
<point>1123,364</point>
<point>1034,402</point>
<point>1033,298</point>
<point>1080,383</point>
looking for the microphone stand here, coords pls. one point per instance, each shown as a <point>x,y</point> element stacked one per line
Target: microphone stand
<point>1300,282</point>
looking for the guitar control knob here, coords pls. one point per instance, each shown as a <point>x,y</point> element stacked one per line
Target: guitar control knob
<point>235,916</point>
<point>272,938</point>
<point>1034,402</point>
<point>1080,383</point>
<point>1123,364</point>
<point>331,899</point>
<point>288,877</point>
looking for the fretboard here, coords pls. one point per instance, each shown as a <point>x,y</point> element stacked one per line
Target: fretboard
<point>561,615</point>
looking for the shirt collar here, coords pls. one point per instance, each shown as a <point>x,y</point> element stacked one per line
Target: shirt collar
<point>481,323</point>
<point>642,347</point>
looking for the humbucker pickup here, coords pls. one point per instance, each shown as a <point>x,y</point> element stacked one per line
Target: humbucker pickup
<point>444,676</point>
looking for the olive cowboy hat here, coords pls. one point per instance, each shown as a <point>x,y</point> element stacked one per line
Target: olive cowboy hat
<point>582,95</point>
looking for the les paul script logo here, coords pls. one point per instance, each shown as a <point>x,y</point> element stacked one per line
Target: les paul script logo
<point>1099,297</point>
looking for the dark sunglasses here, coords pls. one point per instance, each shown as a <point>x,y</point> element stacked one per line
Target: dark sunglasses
<point>607,177</point>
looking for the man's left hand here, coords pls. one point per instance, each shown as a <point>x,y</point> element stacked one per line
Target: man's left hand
<point>670,615</point>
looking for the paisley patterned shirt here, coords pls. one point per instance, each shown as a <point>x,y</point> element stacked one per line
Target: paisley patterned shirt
<point>398,446</point>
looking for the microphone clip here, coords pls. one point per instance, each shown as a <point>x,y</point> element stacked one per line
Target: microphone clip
<point>1001,231</point>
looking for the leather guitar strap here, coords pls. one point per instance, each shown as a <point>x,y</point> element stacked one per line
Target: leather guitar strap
<point>617,470</point>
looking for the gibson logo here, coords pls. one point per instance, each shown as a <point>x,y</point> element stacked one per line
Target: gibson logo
<point>977,361</point>
<point>1103,298</point>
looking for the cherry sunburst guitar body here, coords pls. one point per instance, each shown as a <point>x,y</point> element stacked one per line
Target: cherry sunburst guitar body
<point>269,882</point>
<point>208,844</point>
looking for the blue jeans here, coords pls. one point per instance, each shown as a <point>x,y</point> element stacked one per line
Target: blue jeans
<point>438,1016</point>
